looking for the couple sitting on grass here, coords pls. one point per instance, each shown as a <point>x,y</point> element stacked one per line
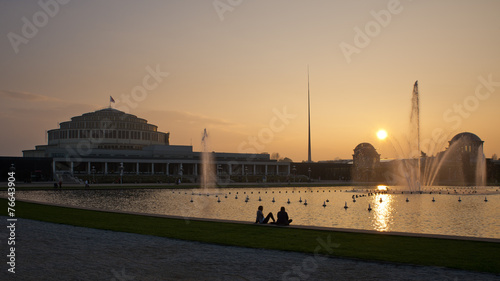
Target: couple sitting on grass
<point>282,217</point>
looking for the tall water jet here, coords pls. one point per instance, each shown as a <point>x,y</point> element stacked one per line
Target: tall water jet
<point>414,178</point>
<point>207,164</point>
<point>407,169</point>
<point>462,162</point>
<point>480,167</point>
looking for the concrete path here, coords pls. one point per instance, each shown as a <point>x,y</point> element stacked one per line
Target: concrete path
<point>47,251</point>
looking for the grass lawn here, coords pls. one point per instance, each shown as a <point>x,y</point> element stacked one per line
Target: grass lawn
<point>459,254</point>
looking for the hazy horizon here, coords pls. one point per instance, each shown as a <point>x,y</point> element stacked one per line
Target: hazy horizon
<point>238,67</point>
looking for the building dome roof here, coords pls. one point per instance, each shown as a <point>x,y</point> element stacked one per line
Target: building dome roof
<point>109,114</point>
<point>108,128</point>
<point>466,137</point>
<point>363,146</point>
<point>365,149</point>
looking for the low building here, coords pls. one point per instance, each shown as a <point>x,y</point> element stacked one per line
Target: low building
<point>366,163</point>
<point>463,160</point>
<point>27,169</point>
<point>112,144</point>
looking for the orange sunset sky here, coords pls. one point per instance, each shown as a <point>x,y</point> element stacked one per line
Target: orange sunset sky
<point>230,66</point>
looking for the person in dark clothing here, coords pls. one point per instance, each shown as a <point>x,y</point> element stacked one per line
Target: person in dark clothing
<point>260,216</point>
<point>283,217</point>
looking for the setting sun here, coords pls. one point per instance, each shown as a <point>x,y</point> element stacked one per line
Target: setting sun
<point>382,134</point>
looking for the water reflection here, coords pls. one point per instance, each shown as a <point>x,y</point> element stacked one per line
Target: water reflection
<point>382,212</point>
<point>325,206</point>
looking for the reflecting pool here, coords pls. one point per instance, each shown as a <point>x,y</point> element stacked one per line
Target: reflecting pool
<point>437,211</point>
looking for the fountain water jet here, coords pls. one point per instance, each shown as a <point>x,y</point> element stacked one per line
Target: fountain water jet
<point>415,135</point>
<point>208,178</point>
<point>415,169</point>
<point>480,167</point>
<point>409,166</point>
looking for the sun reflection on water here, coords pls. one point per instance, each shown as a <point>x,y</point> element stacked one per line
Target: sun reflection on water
<point>382,187</point>
<point>382,212</point>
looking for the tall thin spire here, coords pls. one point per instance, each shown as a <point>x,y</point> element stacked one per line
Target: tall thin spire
<point>308,118</point>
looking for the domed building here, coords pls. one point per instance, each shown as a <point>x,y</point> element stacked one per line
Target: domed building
<point>111,144</point>
<point>466,143</point>
<point>108,129</point>
<point>366,162</point>
<point>464,159</point>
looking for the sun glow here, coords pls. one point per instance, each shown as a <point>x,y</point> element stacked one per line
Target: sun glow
<point>382,187</point>
<point>382,134</point>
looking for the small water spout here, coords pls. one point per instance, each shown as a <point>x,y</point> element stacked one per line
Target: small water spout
<point>208,177</point>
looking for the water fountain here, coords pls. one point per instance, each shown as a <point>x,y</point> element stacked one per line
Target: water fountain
<point>208,178</point>
<point>415,169</point>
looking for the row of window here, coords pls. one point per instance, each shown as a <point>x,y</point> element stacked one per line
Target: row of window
<point>108,134</point>
<point>120,146</point>
<point>466,148</point>
<point>108,124</point>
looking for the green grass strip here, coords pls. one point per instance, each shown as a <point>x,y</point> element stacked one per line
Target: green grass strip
<point>459,254</point>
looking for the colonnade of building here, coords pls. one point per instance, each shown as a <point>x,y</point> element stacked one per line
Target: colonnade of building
<point>169,168</point>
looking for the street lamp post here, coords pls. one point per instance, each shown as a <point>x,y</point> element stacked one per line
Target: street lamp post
<point>121,173</point>
<point>219,172</point>
<point>181,170</point>
<point>93,173</point>
<point>12,168</point>
<point>294,170</point>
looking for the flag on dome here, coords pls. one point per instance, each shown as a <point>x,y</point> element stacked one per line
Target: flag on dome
<point>111,99</point>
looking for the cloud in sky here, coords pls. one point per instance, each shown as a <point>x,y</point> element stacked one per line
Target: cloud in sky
<point>27,116</point>
<point>25,96</point>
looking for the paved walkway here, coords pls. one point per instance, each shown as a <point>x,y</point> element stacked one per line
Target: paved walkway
<point>47,251</point>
